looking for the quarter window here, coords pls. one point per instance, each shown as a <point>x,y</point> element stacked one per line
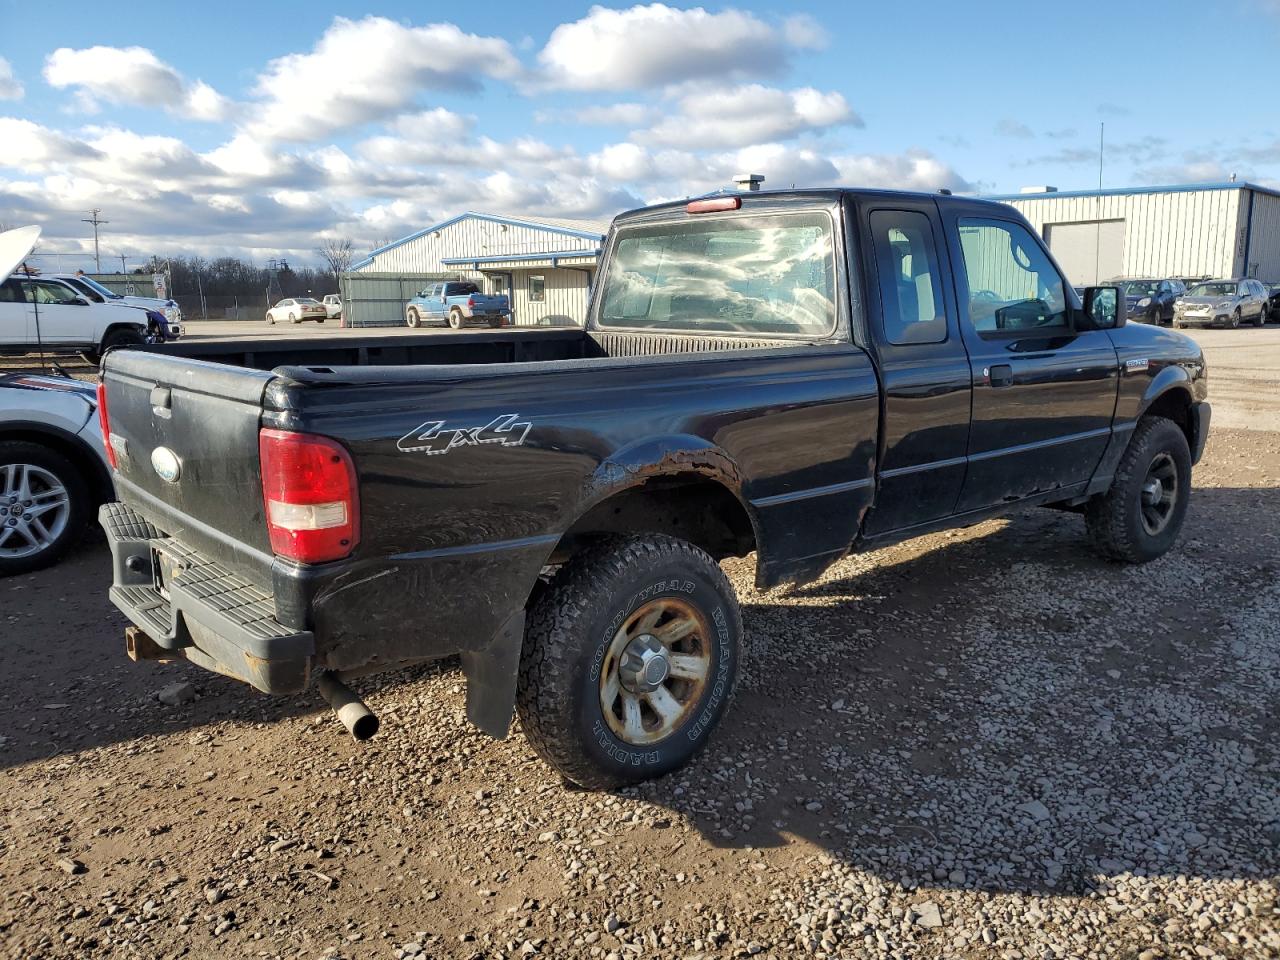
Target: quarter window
<point>910,289</point>
<point>1012,285</point>
<point>537,288</point>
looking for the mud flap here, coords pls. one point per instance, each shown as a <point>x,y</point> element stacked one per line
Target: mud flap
<point>491,678</point>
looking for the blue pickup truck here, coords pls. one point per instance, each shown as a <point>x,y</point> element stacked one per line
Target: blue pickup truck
<point>456,303</point>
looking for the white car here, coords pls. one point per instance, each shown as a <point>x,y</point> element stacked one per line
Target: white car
<point>38,312</point>
<point>297,309</point>
<point>53,468</point>
<point>98,293</point>
<point>332,306</point>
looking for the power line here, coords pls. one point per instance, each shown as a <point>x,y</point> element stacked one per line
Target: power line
<point>97,261</point>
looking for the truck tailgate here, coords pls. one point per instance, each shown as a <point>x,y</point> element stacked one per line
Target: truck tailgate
<point>206,416</point>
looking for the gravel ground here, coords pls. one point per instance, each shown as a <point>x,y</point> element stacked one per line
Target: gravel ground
<point>982,743</point>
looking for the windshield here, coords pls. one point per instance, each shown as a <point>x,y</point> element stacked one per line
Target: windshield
<point>1140,288</point>
<point>769,274</point>
<point>98,288</point>
<point>1213,290</point>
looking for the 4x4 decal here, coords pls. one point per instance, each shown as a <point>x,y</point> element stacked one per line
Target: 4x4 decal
<point>434,437</point>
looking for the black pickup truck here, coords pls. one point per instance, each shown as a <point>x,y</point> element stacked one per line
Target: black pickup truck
<point>797,374</point>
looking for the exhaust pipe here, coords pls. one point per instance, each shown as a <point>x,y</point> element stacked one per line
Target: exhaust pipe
<point>360,721</point>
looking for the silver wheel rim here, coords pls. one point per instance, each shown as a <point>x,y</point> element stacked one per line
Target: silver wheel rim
<point>1159,494</point>
<point>655,671</point>
<point>34,509</point>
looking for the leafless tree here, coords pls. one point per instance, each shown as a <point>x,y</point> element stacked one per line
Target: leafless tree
<point>336,253</point>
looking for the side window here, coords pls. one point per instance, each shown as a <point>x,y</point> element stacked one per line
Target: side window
<point>537,288</point>
<point>1012,286</point>
<point>1164,287</point>
<point>436,289</point>
<point>40,291</point>
<point>11,292</point>
<point>910,285</point>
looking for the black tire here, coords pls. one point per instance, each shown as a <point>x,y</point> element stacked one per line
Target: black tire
<point>1118,522</point>
<point>1234,322</point>
<point>495,324</point>
<point>21,452</point>
<point>567,647</point>
<point>412,318</point>
<point>122,337</point>
<point>455,319</point>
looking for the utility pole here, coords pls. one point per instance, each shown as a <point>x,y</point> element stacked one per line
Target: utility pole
<point>97,261</point>
<point>123,268</point>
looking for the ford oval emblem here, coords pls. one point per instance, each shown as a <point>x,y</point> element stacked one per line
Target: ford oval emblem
<point>166,464</point>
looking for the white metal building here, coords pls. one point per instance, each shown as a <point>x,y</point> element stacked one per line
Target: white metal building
<point>1197,230</point>
<point>546,266</point>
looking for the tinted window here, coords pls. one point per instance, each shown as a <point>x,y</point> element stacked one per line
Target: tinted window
<point>1012,286</point>
<point>910,288</point>
<point>768,274</point>
<point>11,292</point>
<point>461,289</point>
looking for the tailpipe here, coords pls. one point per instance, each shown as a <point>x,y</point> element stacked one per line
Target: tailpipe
<point>360,721</point>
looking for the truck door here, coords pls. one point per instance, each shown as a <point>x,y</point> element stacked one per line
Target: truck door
<point>922,361</point>
<point>63,318</point>
<point>435,301</point>
<point>1044,393</point>
<point>13,313</point>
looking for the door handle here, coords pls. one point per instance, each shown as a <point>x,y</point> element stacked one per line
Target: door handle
<point>1001,375</point>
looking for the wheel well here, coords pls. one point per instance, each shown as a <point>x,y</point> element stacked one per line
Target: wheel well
<point>75,450</point>
<point>1175,405</point>
<point>690,507</point>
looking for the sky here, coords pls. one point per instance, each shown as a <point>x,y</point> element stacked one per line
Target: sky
<point>258,130</point>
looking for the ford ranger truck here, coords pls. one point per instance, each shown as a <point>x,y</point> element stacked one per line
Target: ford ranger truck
<point>793,375</point>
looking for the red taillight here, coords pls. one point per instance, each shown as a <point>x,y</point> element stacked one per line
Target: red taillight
<point>104,420</point>
<point>471,301</point>
<point>713,204</point>
<point>309,491</point>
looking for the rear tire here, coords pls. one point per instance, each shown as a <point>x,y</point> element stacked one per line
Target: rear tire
<point>455,318</point>
<point>593,700</point>
<point>293,318</point>
<point>57,527</point>
<point>412,318</point>
<point>1139,518</point>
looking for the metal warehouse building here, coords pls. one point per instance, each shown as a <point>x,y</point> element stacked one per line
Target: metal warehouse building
<point>1200,230</point>
<point>546,266</point>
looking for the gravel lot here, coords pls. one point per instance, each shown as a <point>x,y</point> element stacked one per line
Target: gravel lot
<point>981,743</point>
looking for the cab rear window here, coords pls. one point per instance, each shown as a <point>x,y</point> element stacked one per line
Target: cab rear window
<point>758,275</point>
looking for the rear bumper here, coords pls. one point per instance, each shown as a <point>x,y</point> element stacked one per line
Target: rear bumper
<point>212,617</point>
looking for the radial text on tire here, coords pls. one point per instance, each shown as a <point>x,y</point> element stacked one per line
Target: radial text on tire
<point>629,662</point>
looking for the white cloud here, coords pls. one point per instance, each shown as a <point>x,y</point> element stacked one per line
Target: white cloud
<point>32,147</point>
<point>132,75</point>
<point>10,88</point>
<point>657,45</point>
<point>366,70</point>
<point>613,114</point>
<point>915,170</point>
<point>749,114</point>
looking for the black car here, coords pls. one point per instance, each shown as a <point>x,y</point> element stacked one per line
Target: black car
<point>1273,302</point>
<point>1150,300</point>
<point>790,374</point>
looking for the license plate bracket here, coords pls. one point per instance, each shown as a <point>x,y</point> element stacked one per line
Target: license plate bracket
<point>164,570</point>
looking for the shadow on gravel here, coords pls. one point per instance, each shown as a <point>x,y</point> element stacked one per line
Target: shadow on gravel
<point>1008,712</point>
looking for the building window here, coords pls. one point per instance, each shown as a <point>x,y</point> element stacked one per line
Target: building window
<point>537,288</point>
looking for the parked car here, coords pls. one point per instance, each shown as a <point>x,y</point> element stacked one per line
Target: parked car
<point>53,469</point>
<point>298,309</point>
<point>39,312</point>
<point>457,303</point>
<point>797,374</point>
<point>1273,301</point>
<point>1226,303</point>
<point>1150,300</point>
<point>98,293</point>
<point>332,306</point>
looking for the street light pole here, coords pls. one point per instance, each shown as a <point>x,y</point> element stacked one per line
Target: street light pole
<point>97,261</point>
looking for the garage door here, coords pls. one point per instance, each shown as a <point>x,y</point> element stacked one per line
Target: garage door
<point>1089,252</point>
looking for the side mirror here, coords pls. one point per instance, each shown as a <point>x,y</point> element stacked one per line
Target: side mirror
<point>82,301</point>
<point>1103,307</point>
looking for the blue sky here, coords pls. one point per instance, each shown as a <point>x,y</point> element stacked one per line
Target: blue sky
<point>257,129</point>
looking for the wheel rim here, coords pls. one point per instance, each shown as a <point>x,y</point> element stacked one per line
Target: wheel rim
<point>34,509</point>
<point>655,671</point>
<point>1159,494</point>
